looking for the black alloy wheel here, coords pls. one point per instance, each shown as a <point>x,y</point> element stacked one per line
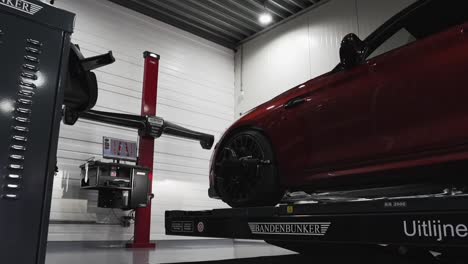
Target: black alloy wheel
<point>246,173</point>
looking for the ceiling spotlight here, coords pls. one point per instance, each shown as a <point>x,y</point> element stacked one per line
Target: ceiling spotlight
<point>265,18</point>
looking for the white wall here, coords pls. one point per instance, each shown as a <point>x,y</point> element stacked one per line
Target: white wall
<point>304,47</point>
<point>196,90</point>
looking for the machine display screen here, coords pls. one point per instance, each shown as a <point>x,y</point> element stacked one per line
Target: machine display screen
<point>113,148</point>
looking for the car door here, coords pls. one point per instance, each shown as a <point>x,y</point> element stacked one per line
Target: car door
<point>421,106</point>
<point>339,121</point>
<point>342,122</point>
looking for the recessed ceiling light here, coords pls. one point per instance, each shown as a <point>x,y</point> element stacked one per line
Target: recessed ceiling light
<point>265,18</point>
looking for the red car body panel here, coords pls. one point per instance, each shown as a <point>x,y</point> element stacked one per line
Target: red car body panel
<point>403,109</point>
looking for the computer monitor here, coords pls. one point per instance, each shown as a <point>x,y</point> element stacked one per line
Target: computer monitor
<point>118,149</point>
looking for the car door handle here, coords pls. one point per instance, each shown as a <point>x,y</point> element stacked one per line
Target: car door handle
<point>294,102</point>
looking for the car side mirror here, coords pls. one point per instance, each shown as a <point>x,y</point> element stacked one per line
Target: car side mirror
<point>351,51</point>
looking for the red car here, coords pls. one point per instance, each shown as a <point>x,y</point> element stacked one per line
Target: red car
<point>393,112</point>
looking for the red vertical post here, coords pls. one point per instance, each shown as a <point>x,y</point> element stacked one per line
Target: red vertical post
<point>146,148</point>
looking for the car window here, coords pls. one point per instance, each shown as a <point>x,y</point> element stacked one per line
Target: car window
<point>399,39</point>
<point>421,20</point>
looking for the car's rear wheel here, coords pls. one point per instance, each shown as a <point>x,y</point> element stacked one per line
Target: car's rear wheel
<point>246,171</point>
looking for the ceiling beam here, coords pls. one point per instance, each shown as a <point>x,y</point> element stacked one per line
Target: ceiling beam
<point>221,13</point>
<point>190,17</point>
<point>207,15</point>
<point>283,6</point>
<point>298,3</point>
<point>261,8</point>
<point>226,22</point>
<point>240,15</point>
<point>168,17</point>
<point>248,7</point>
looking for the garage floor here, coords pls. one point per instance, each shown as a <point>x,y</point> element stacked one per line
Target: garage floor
<point>213,250</point>
<point>166,252</point>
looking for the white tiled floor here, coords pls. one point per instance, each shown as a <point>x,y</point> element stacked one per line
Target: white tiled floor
<point>166,252</point>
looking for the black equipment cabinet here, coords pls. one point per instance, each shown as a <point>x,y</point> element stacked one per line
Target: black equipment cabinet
<point>34,47</point>
<point>120,185</point>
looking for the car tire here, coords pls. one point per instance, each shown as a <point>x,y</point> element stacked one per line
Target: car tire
<point>242,186</point>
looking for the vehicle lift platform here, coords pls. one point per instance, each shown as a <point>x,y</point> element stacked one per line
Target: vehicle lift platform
<point>419,229</point>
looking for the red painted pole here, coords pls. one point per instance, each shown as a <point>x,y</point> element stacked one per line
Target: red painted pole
<point>146,148</point>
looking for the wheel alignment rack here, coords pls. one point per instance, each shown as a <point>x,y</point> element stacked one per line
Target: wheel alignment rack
<point>428,221</point>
